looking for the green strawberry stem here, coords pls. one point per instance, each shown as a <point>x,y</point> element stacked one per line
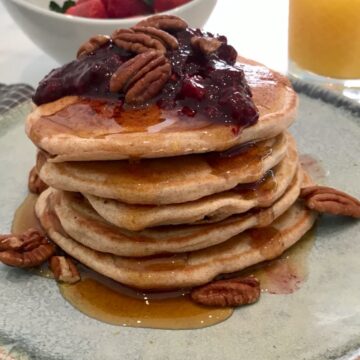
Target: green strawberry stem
<point>54,6</point>
<point>149,3</point>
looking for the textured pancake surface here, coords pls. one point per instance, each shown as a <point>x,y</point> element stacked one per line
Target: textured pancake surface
<point>209,209</point>
<point>191,268</point>
<point>81,222</point>
<point>167,180</point>
<point>73,138</point>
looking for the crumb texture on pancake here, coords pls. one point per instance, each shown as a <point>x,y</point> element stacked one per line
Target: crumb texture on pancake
<point>209,209</point>
<point>81,222</point>
<point>167,180</point>
<point>186,269</point>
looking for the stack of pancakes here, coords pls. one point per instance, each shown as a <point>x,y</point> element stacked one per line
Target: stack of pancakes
<point>157,202</point>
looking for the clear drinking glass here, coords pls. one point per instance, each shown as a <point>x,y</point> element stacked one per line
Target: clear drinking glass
<point>324,43</point>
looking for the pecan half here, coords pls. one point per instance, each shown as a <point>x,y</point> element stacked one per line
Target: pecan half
<point>136,42</point>
<point>64,270</point>
<point>35,184</point>
<point>26,250</point>
<point>231,292</point>
<point>206,45</point>
<point>164,22</point>
<point>10,242</point>
<point>166,39</point>
<point>328,200</point>
<point>92,44</point>
<point>142,77</point>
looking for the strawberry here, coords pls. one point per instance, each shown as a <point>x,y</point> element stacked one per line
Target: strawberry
<point>126,8</point>
<point>89,9</point>
<point>164,5</point>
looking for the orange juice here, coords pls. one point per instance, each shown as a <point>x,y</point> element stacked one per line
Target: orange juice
<point>324,37</point>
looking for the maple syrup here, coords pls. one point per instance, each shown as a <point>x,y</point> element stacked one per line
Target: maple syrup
<point>285,274</point>
<point>262,188</point>
<point>90,118</point>
<point>105,300</point>
<point>108,301</point>
<point>24,217</point>
<point>249,156</point>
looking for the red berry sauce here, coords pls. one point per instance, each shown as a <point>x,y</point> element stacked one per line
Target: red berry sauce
<point>209,85</point>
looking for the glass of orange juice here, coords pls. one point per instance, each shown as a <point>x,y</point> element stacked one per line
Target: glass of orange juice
<point>324,43</point>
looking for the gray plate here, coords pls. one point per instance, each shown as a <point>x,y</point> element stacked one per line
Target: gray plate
<point>320,321</point>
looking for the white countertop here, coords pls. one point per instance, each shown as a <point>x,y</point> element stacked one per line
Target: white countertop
<point>257,29</point>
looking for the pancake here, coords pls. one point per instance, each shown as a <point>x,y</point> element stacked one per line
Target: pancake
<point>192,268</point>
<point>167,180</point>
<point>210,209</point>
<point>71,129</point>
<point>81,222</point>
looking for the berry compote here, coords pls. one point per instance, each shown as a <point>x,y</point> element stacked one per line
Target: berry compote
<point>211,85</point>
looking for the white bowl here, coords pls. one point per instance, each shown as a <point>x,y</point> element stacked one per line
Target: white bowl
<point>60,35</point>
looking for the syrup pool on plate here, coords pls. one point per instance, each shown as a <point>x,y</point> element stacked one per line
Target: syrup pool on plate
<point>107,301</point>
<point>110,302</point>
<point>283,275</point>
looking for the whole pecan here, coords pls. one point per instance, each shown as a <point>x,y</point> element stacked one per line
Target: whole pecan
<point>64,270</point>
<point>92,44</point>
<point>324,199</point>
<point>136,42</point>
<point>26,250</point>
<point>164,22</point>
<point>142,77</point>
<point>206,45</point>
<point>231,292</point>
<point>35,184</point>
<point>164,37</point>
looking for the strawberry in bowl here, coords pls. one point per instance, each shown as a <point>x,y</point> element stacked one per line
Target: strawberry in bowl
<point>58,29</point>
<point>114,9</point>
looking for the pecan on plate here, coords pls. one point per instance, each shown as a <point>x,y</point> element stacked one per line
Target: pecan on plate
<point>10,242</point>
<point>136,42</point>
<point>64,269</point>
<point>164,37</point>
<point>29,249</point>
<point>164,22</point>
<point>230,292</point>
<point>35,184</point>
<point>92,44</point>
<point>206,45</point>
<point>324,199</point>
<point>142,77</point>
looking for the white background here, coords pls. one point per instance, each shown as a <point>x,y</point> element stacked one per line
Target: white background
<point>257,29</point>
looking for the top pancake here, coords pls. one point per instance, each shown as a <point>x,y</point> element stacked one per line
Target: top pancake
<point>74,129</point>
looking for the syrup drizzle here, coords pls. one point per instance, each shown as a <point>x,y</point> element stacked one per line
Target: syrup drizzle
<point>100,118</point>
<point>261,188</point>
